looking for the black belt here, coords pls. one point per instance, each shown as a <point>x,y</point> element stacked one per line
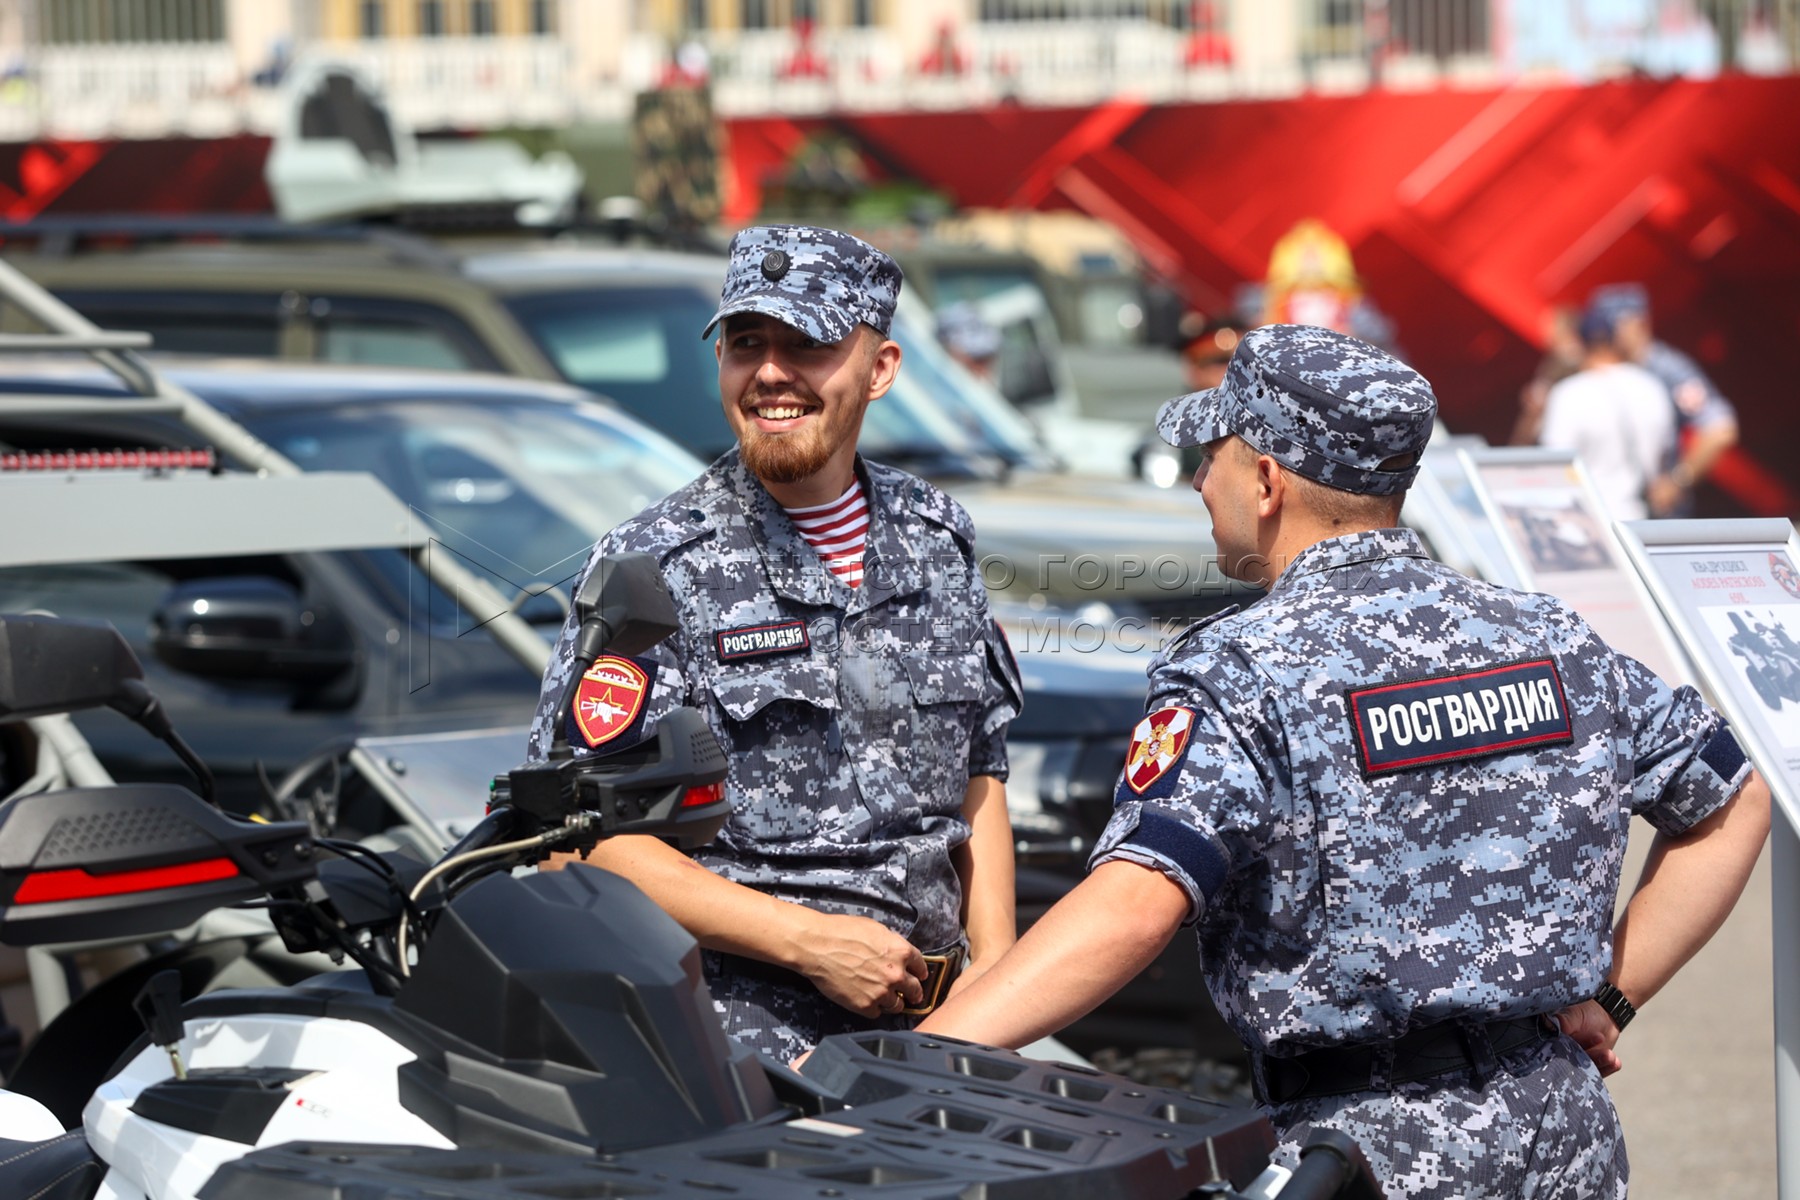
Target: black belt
<point>1377,1066</point>
<point>941,969</point>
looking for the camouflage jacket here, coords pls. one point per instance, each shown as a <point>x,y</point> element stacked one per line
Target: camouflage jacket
<point>1396,795</point>
<point>1698,401</point>
<point>853,718</point>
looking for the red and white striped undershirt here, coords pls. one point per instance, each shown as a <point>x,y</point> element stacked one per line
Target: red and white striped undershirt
<point>838,531</point>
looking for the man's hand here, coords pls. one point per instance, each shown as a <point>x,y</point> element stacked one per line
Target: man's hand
<point>1663,494</point>
<point>862,965</point>
<point>1594,1031</point>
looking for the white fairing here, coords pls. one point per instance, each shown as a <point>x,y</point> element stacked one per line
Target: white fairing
<point>352,1095</point>
<point>23,1119</point>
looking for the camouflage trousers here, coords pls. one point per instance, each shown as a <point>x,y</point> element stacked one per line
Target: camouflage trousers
<point>1543,1128</point>
<point>762,1009</point>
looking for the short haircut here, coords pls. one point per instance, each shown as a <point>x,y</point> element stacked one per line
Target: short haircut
<point>1335,506</point>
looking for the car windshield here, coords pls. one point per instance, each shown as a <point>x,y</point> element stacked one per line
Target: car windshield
<point>931,377</point>
<point>529,483</point>
<point>978,282</point>
<point>641,347</point>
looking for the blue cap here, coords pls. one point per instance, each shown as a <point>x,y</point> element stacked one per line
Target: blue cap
<point>1614,300</point>
<point>1323,404</point>
<point>822,282</point>
<point>966,333</point>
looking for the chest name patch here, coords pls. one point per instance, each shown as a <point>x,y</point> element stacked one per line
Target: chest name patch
<point>1492,710</point>
<point>758,641</point>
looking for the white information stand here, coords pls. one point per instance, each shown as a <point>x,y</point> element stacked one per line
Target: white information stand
<point>1558,539</point>
<point>1730,590</point>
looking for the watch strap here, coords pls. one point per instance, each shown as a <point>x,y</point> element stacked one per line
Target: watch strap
<point>1616,1005</point>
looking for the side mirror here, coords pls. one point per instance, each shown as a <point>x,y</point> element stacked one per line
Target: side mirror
<point>627,595</point>
<point>1162,316</point>
<point>1025,376</point>
<point>52,665</point>
<point>248,627</point>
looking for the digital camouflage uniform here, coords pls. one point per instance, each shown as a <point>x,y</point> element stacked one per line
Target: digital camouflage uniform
<point>852,718</point>
<point>1396,797</point>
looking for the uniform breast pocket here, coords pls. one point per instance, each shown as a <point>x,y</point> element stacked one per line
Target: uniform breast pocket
<point>947,694</point>
<point>775,722</point>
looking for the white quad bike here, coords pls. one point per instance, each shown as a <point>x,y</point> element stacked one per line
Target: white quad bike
<point>545,1035</point>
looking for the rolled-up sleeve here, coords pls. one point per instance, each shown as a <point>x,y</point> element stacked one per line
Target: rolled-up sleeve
<point>1687,762</point>
<point>1004,699</point>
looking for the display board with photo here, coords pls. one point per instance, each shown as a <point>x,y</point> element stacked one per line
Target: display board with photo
<point>1558,540</point>
<point>1731,591</point>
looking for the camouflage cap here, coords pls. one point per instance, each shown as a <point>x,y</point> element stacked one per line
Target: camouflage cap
<point>1611,301</point>
<point>1321,403</point>
<point>820,281</point>
<point>965,332</point>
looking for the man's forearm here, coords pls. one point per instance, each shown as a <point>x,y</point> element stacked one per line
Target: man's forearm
<point>984,864</point>
<point>1689,886</point>
<point>720,914</point>
<point>856,962</point>
<point>1094,941</point>
<point>1704,449</point>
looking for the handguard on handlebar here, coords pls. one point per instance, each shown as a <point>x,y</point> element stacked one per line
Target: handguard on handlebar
<point>671,787</point>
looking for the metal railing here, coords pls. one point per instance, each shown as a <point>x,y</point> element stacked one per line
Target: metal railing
<point>1026,51</point>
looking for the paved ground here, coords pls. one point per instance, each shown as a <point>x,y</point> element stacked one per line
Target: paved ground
<point>1697,1093</point>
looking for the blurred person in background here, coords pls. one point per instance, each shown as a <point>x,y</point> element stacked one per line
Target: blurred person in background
<point>1615,416</point>
<point>1205,345</point>
<point>1706,424</point>
<point>970,339</point>
<point>1563,353</point>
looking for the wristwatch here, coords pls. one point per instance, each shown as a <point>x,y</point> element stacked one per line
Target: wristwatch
<point>1616,1005</point>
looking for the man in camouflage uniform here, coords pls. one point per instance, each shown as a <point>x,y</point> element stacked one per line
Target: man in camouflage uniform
<point>865,725</point>
<point>1393,802</point>
<point>1705,422</point>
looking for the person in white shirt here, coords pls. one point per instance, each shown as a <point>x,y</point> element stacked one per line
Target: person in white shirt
<point>1617,418</point>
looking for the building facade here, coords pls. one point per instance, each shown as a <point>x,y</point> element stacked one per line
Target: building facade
<point>125,68</point>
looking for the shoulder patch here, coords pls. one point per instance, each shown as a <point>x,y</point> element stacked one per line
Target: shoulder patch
<point>1471,714</point>
<point>1158,745</point>
<point>610,699</point>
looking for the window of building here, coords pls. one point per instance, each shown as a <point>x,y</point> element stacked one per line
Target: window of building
<point>86,22</point>
<point>371,19</point>
<point>754,14</point>
<point>1165,12</point>
<point>862,13</point>
<point>431,18</point>
<point>543,17</point>
<point>806,10</point>
<point>481,18</point>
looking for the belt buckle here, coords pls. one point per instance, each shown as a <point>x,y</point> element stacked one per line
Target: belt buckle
<point>940,969</point>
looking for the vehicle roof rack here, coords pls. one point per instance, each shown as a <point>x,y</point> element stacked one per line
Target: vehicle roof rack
<point>413,238</point>
<point>66,329</point>
<point>61,236</point>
